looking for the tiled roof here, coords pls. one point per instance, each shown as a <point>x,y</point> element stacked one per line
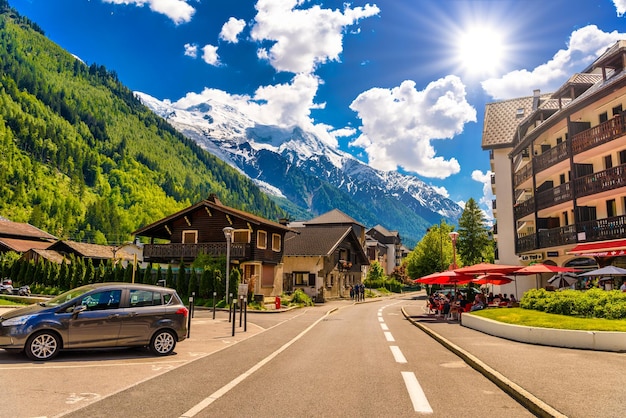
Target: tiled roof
<point>501,120</point>
<point>23,245</point>
<point>52,255</point>
<point>23,230</point>
<point>95,251</point>
<point>384,231</point>
<point>335,216</point>
<point>314,241</point>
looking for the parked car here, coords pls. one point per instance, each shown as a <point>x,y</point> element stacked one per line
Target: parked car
<point>97,316</point>
<point>8,289</point>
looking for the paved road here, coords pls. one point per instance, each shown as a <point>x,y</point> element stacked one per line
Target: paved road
<point>343,366</point>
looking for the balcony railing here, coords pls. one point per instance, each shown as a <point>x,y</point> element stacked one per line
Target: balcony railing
<point>191,251</point>
<point>603,229</point>
<point>551,157</point>
<point>524,174</point>
<point>554,196</point>
<point>598,135</point>
<point>610,179</point>
<point>597,230</point>
<point>524,208</point>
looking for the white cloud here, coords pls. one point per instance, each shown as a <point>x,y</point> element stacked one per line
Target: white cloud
<point>232,29</point>
<point>487,197</point>
<point>441,190</point>
<point>620,6</point>
<point>303,38</point>
<point>343,132</point>
<point>191,50</point>
<point>399,124</point>
<point>584,46</point>
<point>177,10</point>
<point>209,55</point>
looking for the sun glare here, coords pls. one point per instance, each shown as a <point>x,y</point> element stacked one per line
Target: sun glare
<point>481,50</point>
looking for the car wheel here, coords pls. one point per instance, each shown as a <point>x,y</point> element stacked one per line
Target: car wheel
<point>44,345</point>
<point>163,343</point>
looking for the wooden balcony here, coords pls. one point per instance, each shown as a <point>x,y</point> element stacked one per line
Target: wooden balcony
<point>524,208</point>
<point>596,230</point>
<point>610,179</point>
<point>191,251</point>
<point>551,157</point>
<point>554,196</point>
<point>604,229</point>
<point>522,175</point>
<point>598,135</point>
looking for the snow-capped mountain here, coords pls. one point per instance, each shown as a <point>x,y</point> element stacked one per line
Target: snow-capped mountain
<point>306,176</point>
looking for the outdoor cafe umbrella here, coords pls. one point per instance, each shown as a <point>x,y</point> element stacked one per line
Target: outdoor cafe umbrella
<point>493,278</point>
<point>445,277</point>
<point>487,268</point>
<point>561,280</point>
<point>540,268</point>
<point>606,271</point>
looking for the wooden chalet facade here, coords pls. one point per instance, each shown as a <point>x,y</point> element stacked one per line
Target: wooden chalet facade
<point>324,257</point>
<point>257,244</point>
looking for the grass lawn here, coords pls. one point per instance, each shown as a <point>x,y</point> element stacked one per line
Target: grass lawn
<point>4,302</point>
<point>530,318</point>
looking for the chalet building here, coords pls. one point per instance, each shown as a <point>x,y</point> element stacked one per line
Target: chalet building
<point>97,253</point>
<point>257,244</point>
<point>558,163</point>
<point>385,247</point>
<point>21,237</point>
<point>325,256</point>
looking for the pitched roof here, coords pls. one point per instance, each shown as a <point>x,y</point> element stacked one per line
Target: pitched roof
<point>214,203</point>
<point>315,241</point>
<point>51,255</point>
<point>22,245</point>
<point>94,251</point>
<point>502,119</point>
<point>17,229</point>
<point>334,216</point>
<point>384,231</point>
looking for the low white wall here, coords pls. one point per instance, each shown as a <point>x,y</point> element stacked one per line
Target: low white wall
<point>587,340</point>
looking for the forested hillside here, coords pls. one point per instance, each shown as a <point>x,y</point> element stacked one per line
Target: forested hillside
<point>82,158</point>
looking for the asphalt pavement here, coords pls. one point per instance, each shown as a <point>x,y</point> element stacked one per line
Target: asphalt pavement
<point>549,381</point>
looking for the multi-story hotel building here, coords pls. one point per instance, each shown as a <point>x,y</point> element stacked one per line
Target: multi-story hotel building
<point>559,164</point>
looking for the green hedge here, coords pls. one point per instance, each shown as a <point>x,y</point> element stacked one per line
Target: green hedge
<point>593,303</point>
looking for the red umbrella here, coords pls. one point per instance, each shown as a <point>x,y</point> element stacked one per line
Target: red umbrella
<point>486,268</point>
<point>545,268</point>
<point>445,277</point>
<point>493,278</point>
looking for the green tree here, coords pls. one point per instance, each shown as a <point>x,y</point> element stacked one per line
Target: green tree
<point>375,272</point>
<point>473,242</point>
<point>432,254</point>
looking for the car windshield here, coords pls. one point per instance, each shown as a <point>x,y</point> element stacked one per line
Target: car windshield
<point>69,295</point>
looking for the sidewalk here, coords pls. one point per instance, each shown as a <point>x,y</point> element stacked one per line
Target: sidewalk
<point>549,381</point>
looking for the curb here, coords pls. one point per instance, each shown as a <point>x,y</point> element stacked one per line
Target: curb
<point>521,395</point>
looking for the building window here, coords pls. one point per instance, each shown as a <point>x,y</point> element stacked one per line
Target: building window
<point>608,162</point>
<point>241,236</point>
<point>190,237</point>
<point>559,140</point>
<point>603,117</point>
<point>300,278</point>
<point>562,178</point>
<point>276,244</point>
<point>261,239</point>
<point>622,157</point>
<point>611,209</point>
<point>617,110</point>
<point>565,218</point>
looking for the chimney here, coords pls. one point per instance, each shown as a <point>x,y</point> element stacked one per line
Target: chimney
<point>536,94</point>
<point>214,199</point>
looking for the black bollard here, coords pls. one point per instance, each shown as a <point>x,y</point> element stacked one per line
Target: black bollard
<point>240,309</point>
<point>189,316</point>
<point>214,294</point>
<point>233,305</point>
<point>245,316</point>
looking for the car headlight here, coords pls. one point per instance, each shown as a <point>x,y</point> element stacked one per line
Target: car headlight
<point>18,320</point>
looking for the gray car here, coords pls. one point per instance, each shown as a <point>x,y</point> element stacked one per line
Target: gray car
<point>97,316</point>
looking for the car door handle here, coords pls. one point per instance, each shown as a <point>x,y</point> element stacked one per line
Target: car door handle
<point>113,316</point>
<point>131,314</point>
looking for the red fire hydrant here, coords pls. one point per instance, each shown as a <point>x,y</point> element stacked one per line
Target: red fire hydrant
<point>277,302</point>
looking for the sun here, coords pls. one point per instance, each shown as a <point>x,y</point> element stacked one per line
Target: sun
<point>481,50</point>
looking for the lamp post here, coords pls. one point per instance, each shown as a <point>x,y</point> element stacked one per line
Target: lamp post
<point>228,233</point>
<point>453,236</point>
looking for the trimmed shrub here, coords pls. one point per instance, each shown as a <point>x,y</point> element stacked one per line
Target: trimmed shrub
<point>593,303</point>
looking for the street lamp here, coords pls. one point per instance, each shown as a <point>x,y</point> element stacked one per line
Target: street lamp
<point>228,233</point>
<point>453,236</point>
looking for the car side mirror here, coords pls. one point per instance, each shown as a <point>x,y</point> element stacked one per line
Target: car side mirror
<point>78,309</point>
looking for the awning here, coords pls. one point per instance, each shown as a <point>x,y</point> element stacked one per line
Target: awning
<point>600,249</point>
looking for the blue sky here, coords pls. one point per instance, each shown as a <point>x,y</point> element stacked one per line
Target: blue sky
<point>400,84</point>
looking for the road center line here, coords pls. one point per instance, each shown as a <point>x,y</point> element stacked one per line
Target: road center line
<point>389,337</point>
<point>397,354</point>
<point>420,403</point>
<point>384,327</point>
<point>226,388</point>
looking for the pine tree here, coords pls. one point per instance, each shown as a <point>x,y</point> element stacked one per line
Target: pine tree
<point>473,241</point>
